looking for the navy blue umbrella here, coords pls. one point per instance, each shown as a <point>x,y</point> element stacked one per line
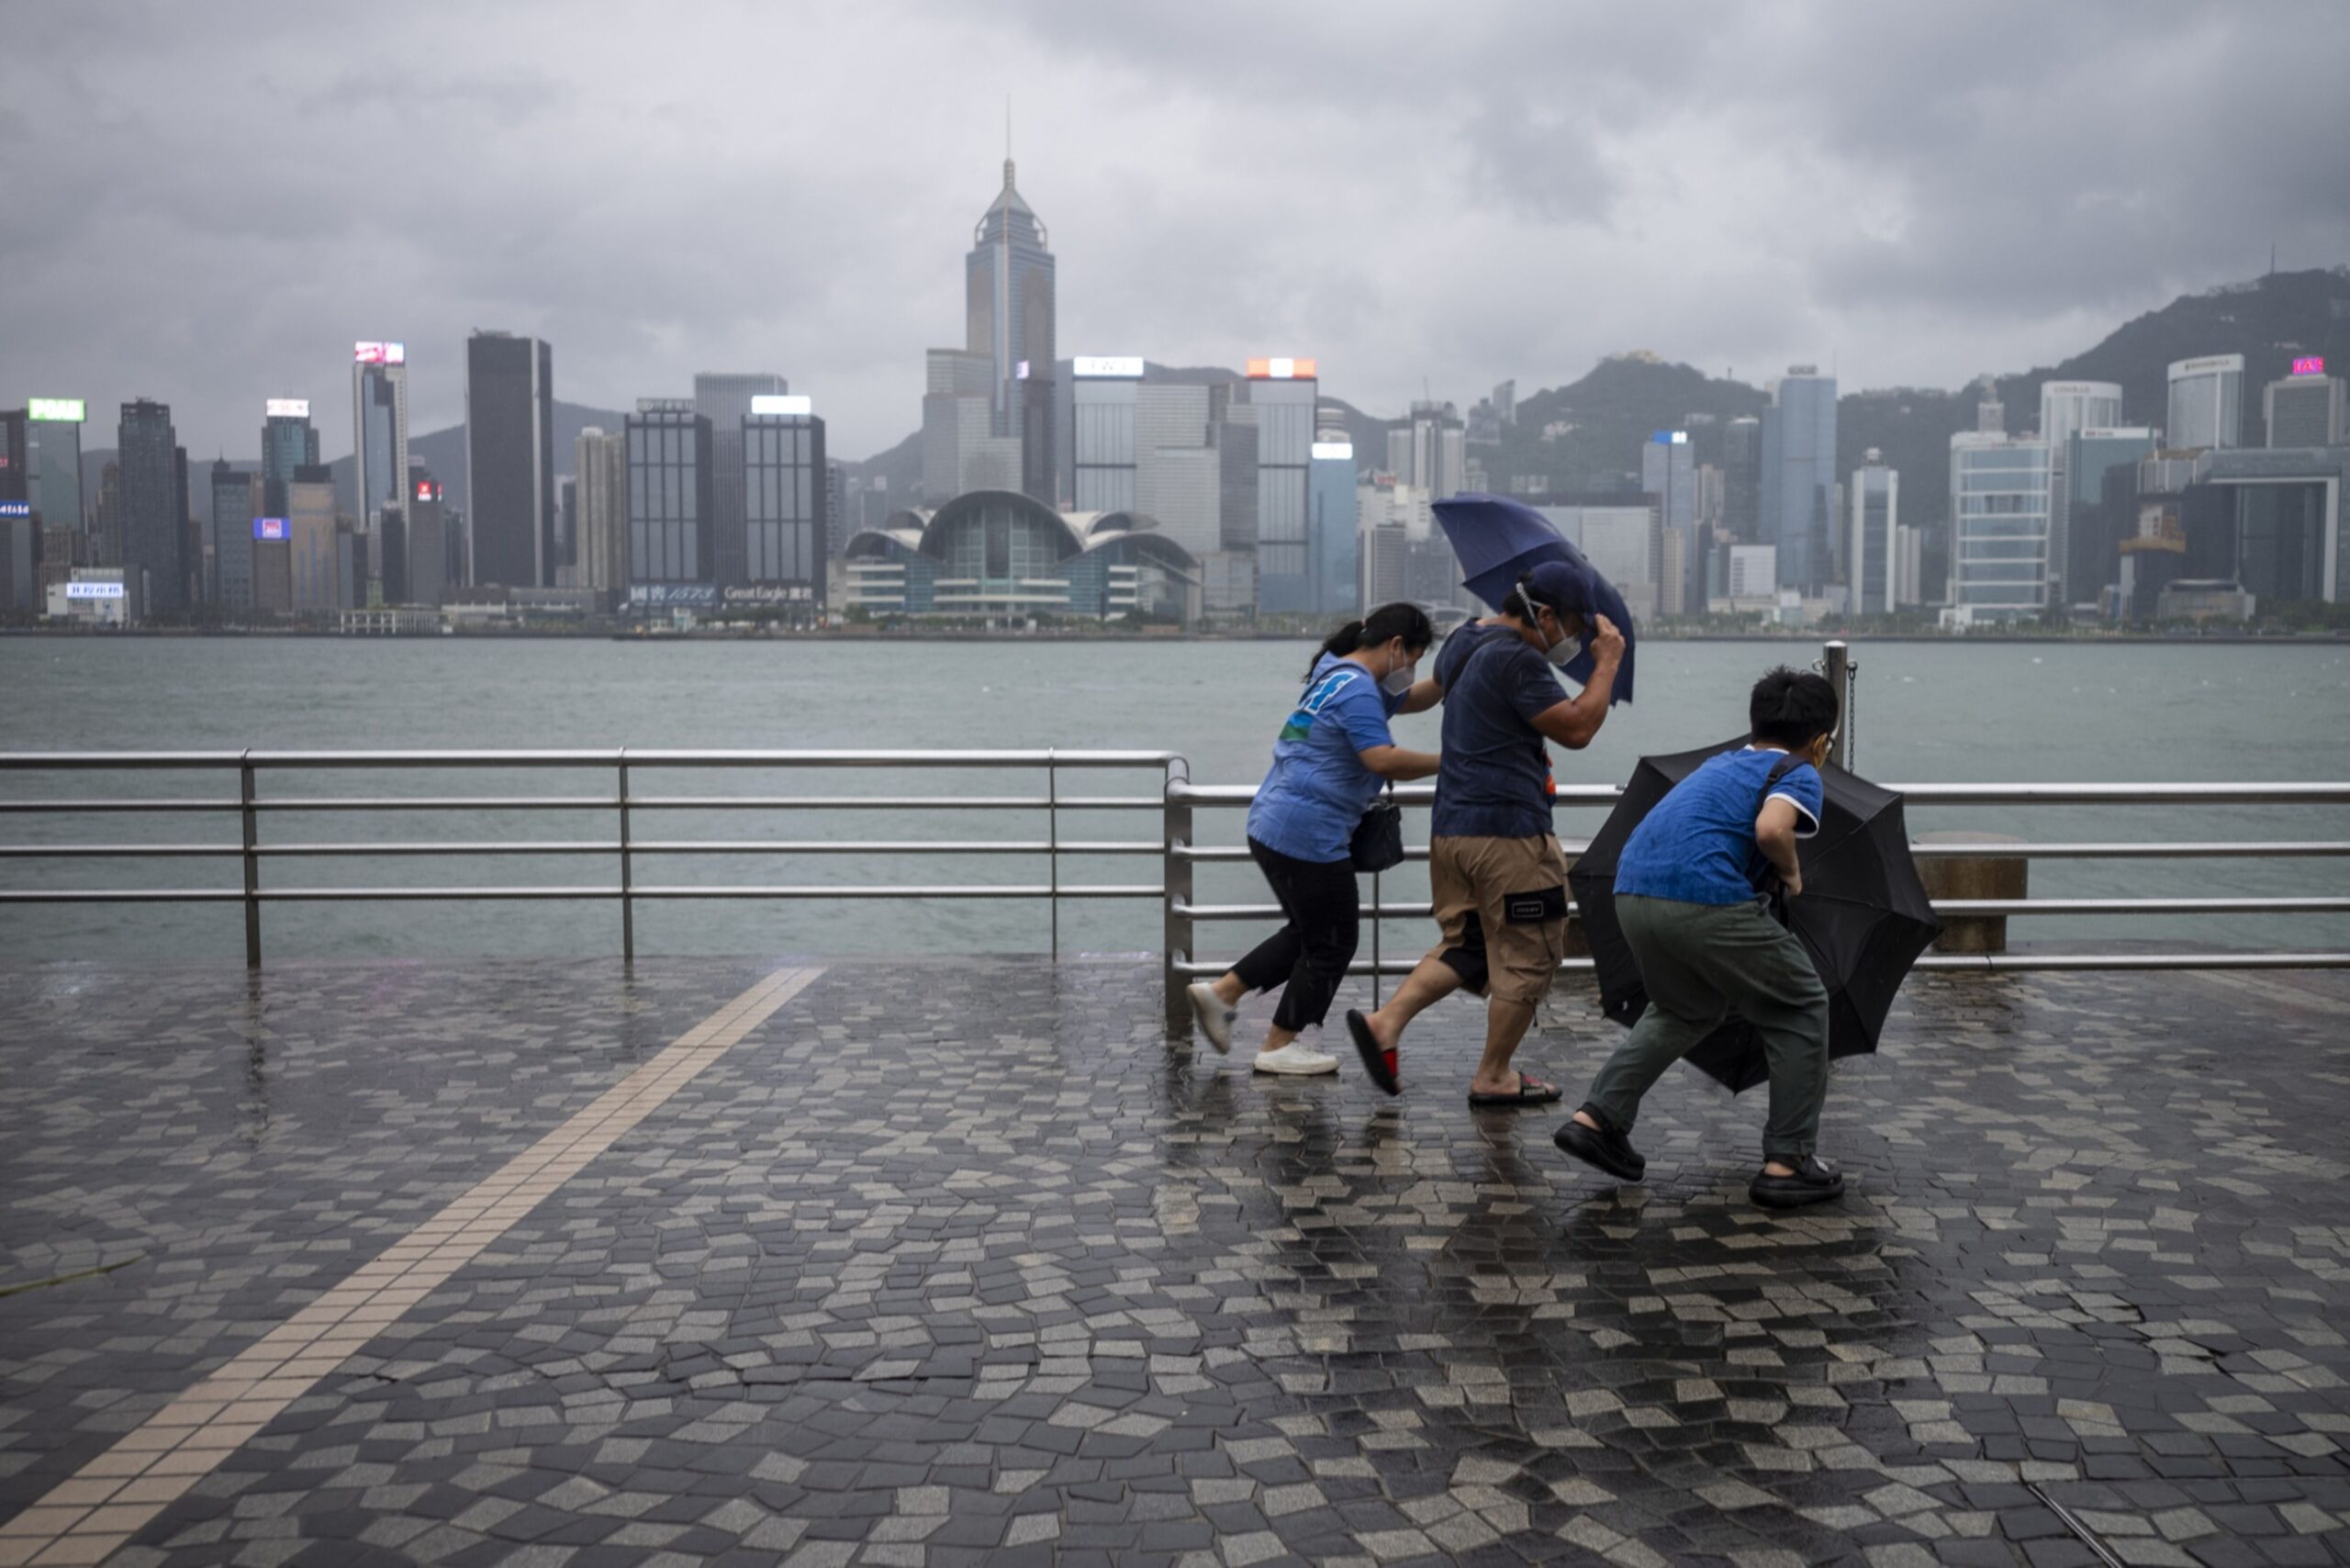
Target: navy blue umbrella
<point>1498,540</point>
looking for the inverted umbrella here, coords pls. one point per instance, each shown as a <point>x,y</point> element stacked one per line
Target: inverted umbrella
<point>1862,916</point>
<point>1498,540</point>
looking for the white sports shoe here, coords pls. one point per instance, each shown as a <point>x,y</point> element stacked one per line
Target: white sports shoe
<point>1215,1019</point>
<point>1296,1061</point>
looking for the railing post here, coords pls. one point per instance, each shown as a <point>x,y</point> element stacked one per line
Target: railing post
<point>252,832</point>
<point>628,899</point>
<point>1175,876</point>
<point>1053,847</point>
<point>1378,909</point>
<point>1836,664</point>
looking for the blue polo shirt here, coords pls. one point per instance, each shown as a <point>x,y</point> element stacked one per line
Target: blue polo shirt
<point>1697,845</point>
<point>1318,788</point>
<point>1493,776</point>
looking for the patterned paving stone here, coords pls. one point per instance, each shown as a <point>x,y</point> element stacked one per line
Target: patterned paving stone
<point>949,1262</point>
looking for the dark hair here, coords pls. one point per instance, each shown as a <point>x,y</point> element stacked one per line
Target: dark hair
<point>1792,708</point>
<point>1388,622</point>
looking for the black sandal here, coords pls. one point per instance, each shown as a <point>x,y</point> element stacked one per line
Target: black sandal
<point>1530,1091</point>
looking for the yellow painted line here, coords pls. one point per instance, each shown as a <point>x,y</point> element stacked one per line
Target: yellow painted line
<point>98,1509</point>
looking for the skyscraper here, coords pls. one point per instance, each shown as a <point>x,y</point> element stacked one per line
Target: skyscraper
<point>235,496</point>
<point>600,466</point>
<point>154,519</point>
<point>1873,550</point>
<point>1800,475</point>
<point>670,490</point>
<point>379,447</point>
<point>1668,474</point>
<point>2206,403</point>
<point>1998,511</point>
<point>2097,520</point>
<point>785,511</point>
<point>958,452</point>
<point>53,464</point>
<point>1008,293</point>
<point>1429,451</point>
<point>1104,390</point>
<point>20,530</point>
<point>1332,525</point>
<point>2066,408</point>
<point>1283,392</point>
<point>724,399</point>
<point>509,459</point>
<point>430,546</point>
<point>1742,479</point>
<point>2306,409</point>
<point>287,443</point>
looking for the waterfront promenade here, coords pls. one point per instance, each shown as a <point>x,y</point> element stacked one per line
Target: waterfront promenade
<point>743,1262</point>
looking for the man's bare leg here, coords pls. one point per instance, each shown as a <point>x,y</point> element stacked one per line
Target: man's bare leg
<point>1506,1026</point>
<point>1429,983</point>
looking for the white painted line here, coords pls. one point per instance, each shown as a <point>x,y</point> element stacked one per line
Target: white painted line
<point>86,1517</point>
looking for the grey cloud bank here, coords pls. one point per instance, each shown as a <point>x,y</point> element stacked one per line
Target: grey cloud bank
<point>207,203</point>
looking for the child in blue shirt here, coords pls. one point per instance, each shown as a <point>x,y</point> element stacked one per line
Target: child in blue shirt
<point>1688,899</point>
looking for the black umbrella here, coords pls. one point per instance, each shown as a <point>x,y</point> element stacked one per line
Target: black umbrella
<point>1863,915</point>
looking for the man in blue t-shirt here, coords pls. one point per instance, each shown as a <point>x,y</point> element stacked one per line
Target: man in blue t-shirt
<point>1688,901</point>
<point>1498,878</point>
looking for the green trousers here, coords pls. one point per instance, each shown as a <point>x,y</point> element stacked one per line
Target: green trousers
<point>1701,962</point>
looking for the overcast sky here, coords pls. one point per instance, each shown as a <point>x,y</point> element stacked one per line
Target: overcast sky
<point>207,203</point>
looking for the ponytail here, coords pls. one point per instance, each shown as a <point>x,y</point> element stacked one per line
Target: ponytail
<point>1402,619</point>
<point>1340,643</point>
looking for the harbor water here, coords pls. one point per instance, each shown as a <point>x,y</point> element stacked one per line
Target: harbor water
<point>1924,712</point>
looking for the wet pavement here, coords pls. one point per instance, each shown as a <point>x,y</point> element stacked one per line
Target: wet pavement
<point>556,1263</point>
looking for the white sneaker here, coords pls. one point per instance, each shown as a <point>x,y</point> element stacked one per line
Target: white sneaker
<point>1296,1061</point>
<point>1215,1019</point>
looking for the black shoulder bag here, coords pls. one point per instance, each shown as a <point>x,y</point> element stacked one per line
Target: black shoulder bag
<point>1378,842</point>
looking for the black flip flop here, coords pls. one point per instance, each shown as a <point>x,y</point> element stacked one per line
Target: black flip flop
<point>1377,1059</point>
<point>1530,1091</point>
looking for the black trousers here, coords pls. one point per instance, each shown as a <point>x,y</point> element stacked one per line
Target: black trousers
<point>1312,952</point>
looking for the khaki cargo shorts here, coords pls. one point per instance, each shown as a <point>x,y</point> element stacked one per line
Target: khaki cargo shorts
<point>1501,904</point>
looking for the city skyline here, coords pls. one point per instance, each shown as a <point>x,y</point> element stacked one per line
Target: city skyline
<point>1578,164</point>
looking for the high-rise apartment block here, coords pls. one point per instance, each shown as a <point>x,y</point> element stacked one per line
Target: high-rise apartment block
<point>509,460</point>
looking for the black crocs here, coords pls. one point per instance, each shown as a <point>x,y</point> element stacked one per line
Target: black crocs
<point>1602,1148</point>
<point>1814,1182</point>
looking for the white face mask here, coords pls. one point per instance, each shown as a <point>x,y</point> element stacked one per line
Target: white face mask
<point>1562,653</point>
<point>1396,682</point>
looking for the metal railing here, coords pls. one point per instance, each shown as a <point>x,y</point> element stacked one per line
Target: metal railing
<point>626,806</point>
<point>1177,802</point>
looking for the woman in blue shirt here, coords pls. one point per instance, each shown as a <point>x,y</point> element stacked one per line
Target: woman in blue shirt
<point>1328,765</point>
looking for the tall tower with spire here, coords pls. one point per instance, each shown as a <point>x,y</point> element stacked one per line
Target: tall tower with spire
<point>1009,312</point>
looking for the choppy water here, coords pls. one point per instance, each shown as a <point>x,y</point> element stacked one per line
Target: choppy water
<point>1926,712</point>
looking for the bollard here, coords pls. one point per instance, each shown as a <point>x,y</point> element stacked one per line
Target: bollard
<point>1988,876</point>
<point>1836,664</point>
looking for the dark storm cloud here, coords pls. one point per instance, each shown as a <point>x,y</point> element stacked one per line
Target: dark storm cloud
<point>207,203</point>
